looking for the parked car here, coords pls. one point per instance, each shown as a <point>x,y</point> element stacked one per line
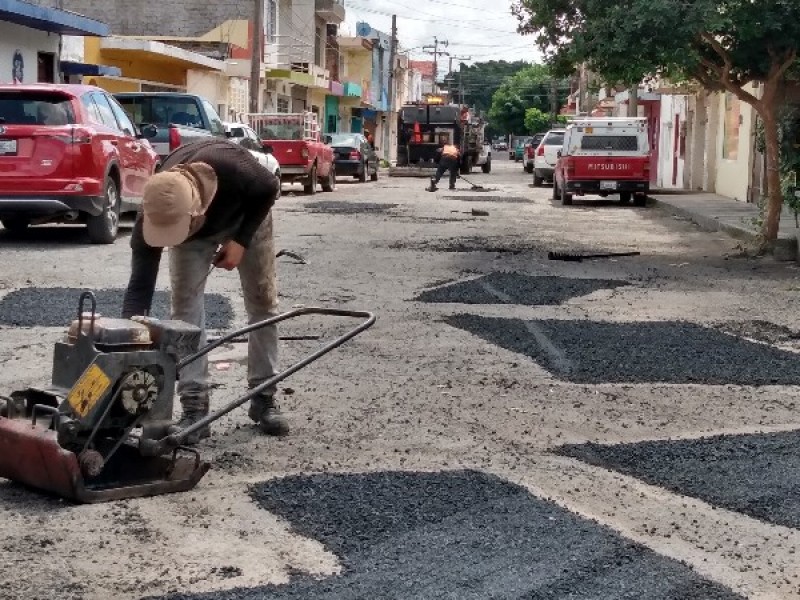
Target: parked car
<point>604,156</point>
<point>530,151</point>
<point>519,148</point>
<point>354,156</point>
<point>70,154</point>
<point>546,155</point>
<point>501,147</point>
<point>180,118</point>
<point>295,140</point>
<point>242,134</point>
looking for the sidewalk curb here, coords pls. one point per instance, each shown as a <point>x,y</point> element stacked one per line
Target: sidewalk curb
<point>783,249</point>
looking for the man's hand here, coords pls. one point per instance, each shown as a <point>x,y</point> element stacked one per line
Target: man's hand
<point>230,256</point>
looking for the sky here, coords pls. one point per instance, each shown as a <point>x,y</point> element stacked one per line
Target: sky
<point>474,28</point>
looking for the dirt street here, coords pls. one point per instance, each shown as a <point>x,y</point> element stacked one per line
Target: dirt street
<point>502,431</point>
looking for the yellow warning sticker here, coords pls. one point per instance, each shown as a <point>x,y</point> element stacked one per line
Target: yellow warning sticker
<point>92,386</point>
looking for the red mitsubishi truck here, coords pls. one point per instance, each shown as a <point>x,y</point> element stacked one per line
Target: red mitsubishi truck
<point>604,156</point>
<point>295,141</point>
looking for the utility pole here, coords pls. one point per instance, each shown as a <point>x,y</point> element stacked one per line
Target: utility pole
<point>554,100</point>
<point>460,78</point>
<point>257,55</point>
<point>434,50</point>
<point>387,137</point>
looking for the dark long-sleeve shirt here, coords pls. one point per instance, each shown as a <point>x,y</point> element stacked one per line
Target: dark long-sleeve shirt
<point>245,194</point>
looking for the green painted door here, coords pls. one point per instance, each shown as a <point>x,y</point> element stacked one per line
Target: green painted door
<point>331,114</point>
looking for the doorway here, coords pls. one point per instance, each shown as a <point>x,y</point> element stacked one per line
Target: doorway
<point>46,67</point>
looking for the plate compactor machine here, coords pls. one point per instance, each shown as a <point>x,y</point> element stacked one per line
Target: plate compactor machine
<point>103,429</point>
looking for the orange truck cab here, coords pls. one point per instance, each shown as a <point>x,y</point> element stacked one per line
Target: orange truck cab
<point>604,156</point>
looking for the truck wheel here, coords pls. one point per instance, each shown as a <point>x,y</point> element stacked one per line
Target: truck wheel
<point>310,187</point>
<point>329,183</point>
<point>640,200</point>
<point>537,181</point>
<point>362,176</point>
<point>103,228</point>
<point>487,166</point>
<point>529,168</point>
<point>16,225</point>
<point>566,199</point>
<point>625,197</point>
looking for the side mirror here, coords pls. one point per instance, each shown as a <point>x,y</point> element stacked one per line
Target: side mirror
<point>558,154</point>
<point>327,140</point>
<point>147,131</point>
<point>268,149</point>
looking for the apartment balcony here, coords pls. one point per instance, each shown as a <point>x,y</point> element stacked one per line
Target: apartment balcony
<point>331,10</point>
<point>352,90</point>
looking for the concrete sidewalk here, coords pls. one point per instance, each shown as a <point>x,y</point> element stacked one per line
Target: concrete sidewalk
<point>738,219</point>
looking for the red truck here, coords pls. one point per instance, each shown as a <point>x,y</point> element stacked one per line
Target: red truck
<point>294,140</point>
<point>604,156</point>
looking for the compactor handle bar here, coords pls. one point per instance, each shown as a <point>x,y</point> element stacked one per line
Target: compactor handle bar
<point>179,438</point>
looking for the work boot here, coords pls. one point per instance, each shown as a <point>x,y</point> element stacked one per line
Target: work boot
<point>266,414</point>
<point>194,409</point>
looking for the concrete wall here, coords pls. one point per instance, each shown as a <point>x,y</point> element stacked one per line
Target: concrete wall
<point>28,42</point>
<point>184,18</point>
<point>733,174</point>
<point>674,113</point>
<point>211,86</point>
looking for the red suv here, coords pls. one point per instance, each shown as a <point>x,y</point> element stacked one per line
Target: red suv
<point>69,153</point>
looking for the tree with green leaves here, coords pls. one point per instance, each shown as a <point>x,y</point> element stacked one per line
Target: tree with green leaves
<point>537,121</point>
<point>725,45</point>
<point>531,87</point>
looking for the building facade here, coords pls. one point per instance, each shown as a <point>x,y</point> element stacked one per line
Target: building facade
<point>31,42</point>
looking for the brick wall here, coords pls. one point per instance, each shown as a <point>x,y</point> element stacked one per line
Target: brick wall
<point>183,18</point>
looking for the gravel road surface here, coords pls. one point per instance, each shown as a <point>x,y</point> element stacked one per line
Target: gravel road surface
<point>423,458</point>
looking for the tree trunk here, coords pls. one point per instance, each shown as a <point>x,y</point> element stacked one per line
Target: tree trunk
<point>774,194</point>
<point>633,102</point>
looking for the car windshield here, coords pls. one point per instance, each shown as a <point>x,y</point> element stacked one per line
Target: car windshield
<point>35,108</point>
<point>618,143</point>
<point>163,110</point>
<point>555,138</point>
<point>343,139</point>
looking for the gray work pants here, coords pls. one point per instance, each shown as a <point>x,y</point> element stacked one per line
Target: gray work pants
<point>188,265</point>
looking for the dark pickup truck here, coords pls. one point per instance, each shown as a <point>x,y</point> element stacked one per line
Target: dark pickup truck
<point>180,118</point>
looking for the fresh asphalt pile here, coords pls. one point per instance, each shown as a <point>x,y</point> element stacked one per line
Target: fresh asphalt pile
<point>755,474</point>
<point>484,198</point>
<point>58,306</point>
<point>462,535</point>
<point>516,288</point>
<point>499,245</point>
<point>336,207</point>
<point>646,352</point>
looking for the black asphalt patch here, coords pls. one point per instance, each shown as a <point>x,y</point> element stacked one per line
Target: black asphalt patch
<point>516,288</point>
<point>763,331</point>
<point>58,307</point>
<point>755,474</point>
<point>506,199</point>
<point>347,208</point>
<point>504,245</point>
<point>647,352</point>
<point>460,535</point>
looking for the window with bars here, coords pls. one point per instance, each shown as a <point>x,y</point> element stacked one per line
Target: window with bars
<point>610,143</point>
<point>283,105</point>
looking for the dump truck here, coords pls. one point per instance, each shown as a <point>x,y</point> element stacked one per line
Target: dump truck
<point>424,127</point>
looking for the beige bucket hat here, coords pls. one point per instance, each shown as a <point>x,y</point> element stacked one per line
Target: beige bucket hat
<point>173,200</point>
